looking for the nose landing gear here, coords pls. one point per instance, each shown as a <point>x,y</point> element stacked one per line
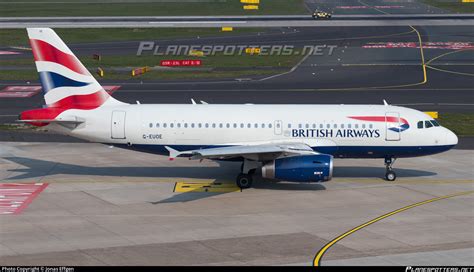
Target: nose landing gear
<point>389,173</point>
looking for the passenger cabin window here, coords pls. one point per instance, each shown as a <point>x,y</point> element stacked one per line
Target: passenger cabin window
<point>428,124</point>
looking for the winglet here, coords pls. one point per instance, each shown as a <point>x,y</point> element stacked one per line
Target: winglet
<point>173,153</point>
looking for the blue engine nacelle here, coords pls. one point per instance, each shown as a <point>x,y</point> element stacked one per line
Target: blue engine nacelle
<point>308,168</point>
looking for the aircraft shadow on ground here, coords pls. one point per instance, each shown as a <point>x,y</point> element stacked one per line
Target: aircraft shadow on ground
<point>35,168</point>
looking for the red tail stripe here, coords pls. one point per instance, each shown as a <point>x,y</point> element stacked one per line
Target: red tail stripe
<point>82,102</point>
<point>44,51</point>
<point>379,118</point>
<point>79,102</point>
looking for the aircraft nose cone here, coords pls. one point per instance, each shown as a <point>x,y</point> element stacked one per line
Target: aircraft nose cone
<point>451,138</point>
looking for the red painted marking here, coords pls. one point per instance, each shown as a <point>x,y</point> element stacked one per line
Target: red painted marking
<point>367,7</point>
<point>426,45</point>
<point>22,89</point>
<point>9,53</point>
<point>15,197</point>
<point>181,63</point>
<point>21,94</point>
<point>110,89</point>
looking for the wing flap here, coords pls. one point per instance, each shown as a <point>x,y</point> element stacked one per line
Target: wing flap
<point>246,151</point>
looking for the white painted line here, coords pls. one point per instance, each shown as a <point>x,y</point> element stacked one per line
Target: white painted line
<point>288,72</point>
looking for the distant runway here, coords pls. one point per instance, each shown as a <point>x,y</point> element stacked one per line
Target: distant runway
<point>238,21</point>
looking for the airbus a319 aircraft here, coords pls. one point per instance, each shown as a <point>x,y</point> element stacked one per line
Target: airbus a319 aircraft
<point>287,142</point>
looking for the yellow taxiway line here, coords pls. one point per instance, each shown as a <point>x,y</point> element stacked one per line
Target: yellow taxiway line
<point>322,251</point>
<point>205,187</point>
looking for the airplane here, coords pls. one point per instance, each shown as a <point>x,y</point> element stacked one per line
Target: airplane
<point>286,142</point>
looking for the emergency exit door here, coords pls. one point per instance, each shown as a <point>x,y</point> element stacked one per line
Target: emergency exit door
<point>278,127</point>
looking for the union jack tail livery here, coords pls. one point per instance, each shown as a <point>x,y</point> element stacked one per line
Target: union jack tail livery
<point>67,84</point>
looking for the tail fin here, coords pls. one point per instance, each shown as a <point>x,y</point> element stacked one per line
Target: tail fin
<point>67,84</point>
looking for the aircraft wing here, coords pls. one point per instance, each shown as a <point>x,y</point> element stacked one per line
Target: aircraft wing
<point>253,152</point>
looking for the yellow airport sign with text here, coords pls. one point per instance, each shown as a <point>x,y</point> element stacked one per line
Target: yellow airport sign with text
<point>250,7</point>
<point>433,114</point>
<point>227,28</point>
<point>252,50</point>
<point>250,1</point>
<point>196,53</point>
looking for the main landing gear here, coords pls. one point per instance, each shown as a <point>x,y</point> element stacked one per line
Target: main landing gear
<point>389,173</point>
<point>244,179</point>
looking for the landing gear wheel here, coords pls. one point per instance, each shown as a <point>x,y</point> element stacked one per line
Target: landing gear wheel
<point>244,181</point>
<point>390,176</point>
<point>389,173</point>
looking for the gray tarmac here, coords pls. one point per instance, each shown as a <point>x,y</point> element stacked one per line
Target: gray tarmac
<point>109,206</point>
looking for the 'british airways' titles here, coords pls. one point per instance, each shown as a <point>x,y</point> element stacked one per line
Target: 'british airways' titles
<point>335,133</point>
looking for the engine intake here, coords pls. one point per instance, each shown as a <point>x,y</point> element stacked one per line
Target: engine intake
<point>309,168</point>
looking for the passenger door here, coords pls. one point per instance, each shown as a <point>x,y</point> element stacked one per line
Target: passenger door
<point>118,124</point>
<point>392,126</point>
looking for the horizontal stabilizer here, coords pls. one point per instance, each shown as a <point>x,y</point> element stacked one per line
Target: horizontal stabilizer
<point>60,120</point>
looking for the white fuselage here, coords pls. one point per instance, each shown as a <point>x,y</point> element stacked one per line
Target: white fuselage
<point>333,129</point>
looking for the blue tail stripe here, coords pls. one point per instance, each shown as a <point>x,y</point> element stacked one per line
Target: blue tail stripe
<point>51,80</point>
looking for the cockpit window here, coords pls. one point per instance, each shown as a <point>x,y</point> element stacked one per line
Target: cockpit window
<point>428,124</point>
<point>420,124</point>
<point>435,123</point>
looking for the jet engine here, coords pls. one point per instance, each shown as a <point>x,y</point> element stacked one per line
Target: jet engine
<point>307,168</point>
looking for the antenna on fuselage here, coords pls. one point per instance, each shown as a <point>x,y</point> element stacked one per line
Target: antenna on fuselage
<point>385,103</point>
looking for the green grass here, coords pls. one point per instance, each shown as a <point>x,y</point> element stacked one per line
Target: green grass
<point>18,126</point>
<point>452,6</point>
<point>18,37</point>
<point>460,123</point>
<point>235,66</point>
<point>146,8</point>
